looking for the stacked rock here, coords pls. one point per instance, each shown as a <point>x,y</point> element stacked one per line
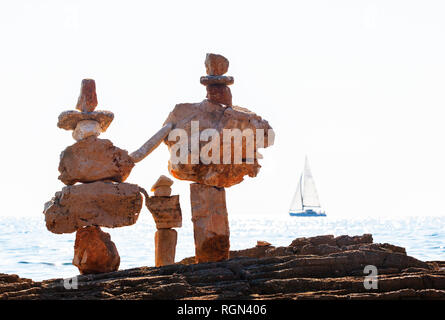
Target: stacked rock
<point>210,223</point>
<point>215,81</point>
<point>100,198</point>
<point>166,212</point>
<point>162,187</point>
<point>207,194</point>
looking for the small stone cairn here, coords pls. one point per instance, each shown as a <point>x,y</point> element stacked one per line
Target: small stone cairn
<point>166,212</point>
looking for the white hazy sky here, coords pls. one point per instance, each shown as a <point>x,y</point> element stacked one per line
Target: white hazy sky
<point>358,86</point>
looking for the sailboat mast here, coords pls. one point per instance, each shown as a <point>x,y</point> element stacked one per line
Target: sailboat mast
<point>301,181</point>
<point>301,191</point>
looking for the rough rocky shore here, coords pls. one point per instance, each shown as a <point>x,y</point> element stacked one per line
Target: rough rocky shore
<point>322,267</point>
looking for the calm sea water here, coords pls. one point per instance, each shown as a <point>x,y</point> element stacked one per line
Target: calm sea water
<point>29,250</point>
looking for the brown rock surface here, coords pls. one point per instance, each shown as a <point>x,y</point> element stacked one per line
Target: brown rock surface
<point>93,159</point>
<point>319,245</point>
<point>218,117</point>
<point>68,120</point>
<point>87,100</point>
<point>336,276</point>
<point>166,211</point>
<point>210,223</point>
<point>165,247</point>
<point>216,64</point>
<point>216,80</point>
<point>219,94</point>
<point>99,203</point>
<point>94,252</point>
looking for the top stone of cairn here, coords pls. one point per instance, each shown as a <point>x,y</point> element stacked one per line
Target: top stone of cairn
<point>216,65</point>
<point>163,181</point>
<point>87,101</point>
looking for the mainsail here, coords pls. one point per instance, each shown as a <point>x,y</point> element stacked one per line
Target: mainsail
<point>306,195</point>
<point>310,195</point>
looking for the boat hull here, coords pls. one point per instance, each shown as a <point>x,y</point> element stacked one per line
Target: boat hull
<point>308,213</point>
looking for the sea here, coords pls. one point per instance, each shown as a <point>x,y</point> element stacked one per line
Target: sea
<point>29,250</point>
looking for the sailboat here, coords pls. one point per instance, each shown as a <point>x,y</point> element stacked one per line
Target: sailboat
<point>305,202</point>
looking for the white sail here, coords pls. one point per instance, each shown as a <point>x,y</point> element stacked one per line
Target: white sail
<point>310,195</point>
<point>297,204</point>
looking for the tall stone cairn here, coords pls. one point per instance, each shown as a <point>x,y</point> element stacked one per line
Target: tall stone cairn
<point>207,193</point>
<point>95,196</point>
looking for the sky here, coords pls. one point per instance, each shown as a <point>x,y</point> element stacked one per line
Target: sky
<point>357,86</point>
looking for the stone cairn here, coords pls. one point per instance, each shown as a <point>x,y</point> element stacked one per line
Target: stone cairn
<point>95,196</point>
<point>215,81</point>
<point>166,212</point>
<point>207,193</point>
<point>94,171</point>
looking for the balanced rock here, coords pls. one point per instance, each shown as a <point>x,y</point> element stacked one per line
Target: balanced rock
<point>163,191</point>
<point>94,159</point>
<point>68,120</point>
<point>87,101</point>
<point>162,181</point>
<point>210,223</point>
<point>219,94</point>
<point>219,117</point>
<point>94,252</point>
<point>85,129</point>
<point>166,211</point>
<point>165,247</point>
<point>99,203</point>
<point>209,80</point>
<point>216,64</point>
<point>161,188</point>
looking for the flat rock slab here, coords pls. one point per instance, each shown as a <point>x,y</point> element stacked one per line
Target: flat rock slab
<point>68,120</point>
<point>94,159</point>
<point>166,211</point>
<point>209,80</point>
<point>102,204</point>
<point>219,117</point>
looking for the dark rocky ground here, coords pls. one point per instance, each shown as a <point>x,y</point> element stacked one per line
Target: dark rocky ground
<point>321,267</point>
